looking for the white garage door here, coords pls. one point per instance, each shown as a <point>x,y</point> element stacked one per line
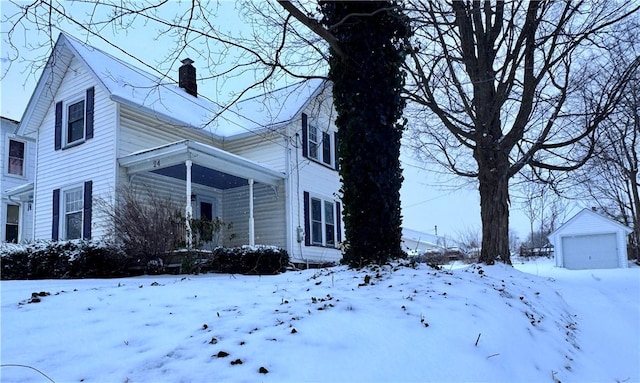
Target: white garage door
<point>590,251</point>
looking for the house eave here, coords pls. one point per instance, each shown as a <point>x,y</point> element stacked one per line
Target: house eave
<point>23,192</point>
<point>202,154</point>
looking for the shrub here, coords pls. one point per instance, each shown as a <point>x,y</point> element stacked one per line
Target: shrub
<point>15,261</point>
<point>147,223</point>
<point>63,259</point>
<point>254,260</point>
<point>99,260</point>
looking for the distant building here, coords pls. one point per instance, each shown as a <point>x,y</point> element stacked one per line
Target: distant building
<point>590,241</point>
<point>418,243</point>
<point>17,159</point>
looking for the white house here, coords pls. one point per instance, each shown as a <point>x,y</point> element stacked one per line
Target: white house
<point>417,242</point>
<point>590,241</point>
<point>268,165</point>
<point>17,160</point>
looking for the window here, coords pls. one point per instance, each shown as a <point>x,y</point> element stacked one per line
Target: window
<point>73,213</point>
<point>13,222</point>
<point>317,144</point>
<point>316,221</point>
<point>322,221</point>
<point>329,225</point>
<point>313,142</point>
<point>75,122</point>
<point>16,157</point>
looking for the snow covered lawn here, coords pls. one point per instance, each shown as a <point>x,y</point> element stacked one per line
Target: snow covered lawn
<point>533,322</point>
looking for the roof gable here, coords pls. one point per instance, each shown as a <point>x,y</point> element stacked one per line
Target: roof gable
<point>162,97</point>
<point>594,218</point>
<point>123,82</point>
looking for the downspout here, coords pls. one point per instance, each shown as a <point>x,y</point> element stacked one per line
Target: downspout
<point>299,230</point>
<point>189,208</point>
<point>288,199</point>
<point>252,239</point>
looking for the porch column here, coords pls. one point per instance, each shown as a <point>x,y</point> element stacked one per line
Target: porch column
<point>189,209</point>
<point>252,240</point>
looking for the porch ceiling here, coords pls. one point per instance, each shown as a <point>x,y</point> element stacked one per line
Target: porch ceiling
<point>209,163</point>
<point>203,176</point>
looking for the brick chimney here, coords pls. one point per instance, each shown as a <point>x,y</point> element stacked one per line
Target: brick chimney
<point>187,77</point>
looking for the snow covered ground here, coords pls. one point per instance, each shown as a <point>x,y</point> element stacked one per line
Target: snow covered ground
<point>531,323</point>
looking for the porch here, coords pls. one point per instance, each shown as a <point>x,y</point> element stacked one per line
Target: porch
<point>216,186</point>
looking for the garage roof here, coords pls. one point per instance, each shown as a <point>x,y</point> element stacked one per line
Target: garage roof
<point>598,224</point>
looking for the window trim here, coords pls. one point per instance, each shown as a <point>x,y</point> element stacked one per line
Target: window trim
<point>61,120</point>
<point>7,223</point>
<point>65,121</point>
<point>24,158</point>
<point>311,143</point>
<point>323,137</point>
<point>63,211</point>
<point>324,202</point>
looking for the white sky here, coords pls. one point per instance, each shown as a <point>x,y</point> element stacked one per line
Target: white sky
<point>425,205</point>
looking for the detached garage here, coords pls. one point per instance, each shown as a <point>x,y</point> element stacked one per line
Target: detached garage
<point>590,241</point>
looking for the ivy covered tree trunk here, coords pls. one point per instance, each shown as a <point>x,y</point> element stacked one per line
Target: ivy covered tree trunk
<point>367,85</point>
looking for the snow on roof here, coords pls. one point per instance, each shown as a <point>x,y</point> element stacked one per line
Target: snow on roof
<point>273,108</point>
<point>130,85</point>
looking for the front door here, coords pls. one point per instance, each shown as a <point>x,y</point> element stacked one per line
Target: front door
<point>206,211</point>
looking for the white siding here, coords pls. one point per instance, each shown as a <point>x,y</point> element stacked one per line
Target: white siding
<point>266,148</point>
<point>268,213</point>
<point>139,131</point>
<point>313,177</point>
<point>10,181</point>
<point>92,160</point>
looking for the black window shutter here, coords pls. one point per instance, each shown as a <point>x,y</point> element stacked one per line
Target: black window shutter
<point>305,139</point>
<point>338,222</point>
<point>89,113</point>
<point>326,148</point>
<point>307,220</point>
<point>58,127</point>
<point>55,221</point>
<point>87,209</point>
<point>336,163</point>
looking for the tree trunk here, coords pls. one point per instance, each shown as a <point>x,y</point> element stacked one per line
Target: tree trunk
<point>494,206</point>
<point>367,86</point>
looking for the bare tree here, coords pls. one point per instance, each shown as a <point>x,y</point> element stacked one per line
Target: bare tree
<point>146,223</point>
<point>611,179</point>
<point>503,85</point>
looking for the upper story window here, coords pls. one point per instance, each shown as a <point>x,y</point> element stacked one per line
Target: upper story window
<point>16,158</point>
<point>313,142</point>
<point>318,145</point>
<point>74,120</point>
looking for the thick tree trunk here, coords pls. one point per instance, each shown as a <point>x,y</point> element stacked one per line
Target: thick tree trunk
<point>367,86</point>
<point>494,206</point>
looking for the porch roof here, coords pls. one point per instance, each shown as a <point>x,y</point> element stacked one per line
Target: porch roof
<point>167,156</point>
<point>23,192</point>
